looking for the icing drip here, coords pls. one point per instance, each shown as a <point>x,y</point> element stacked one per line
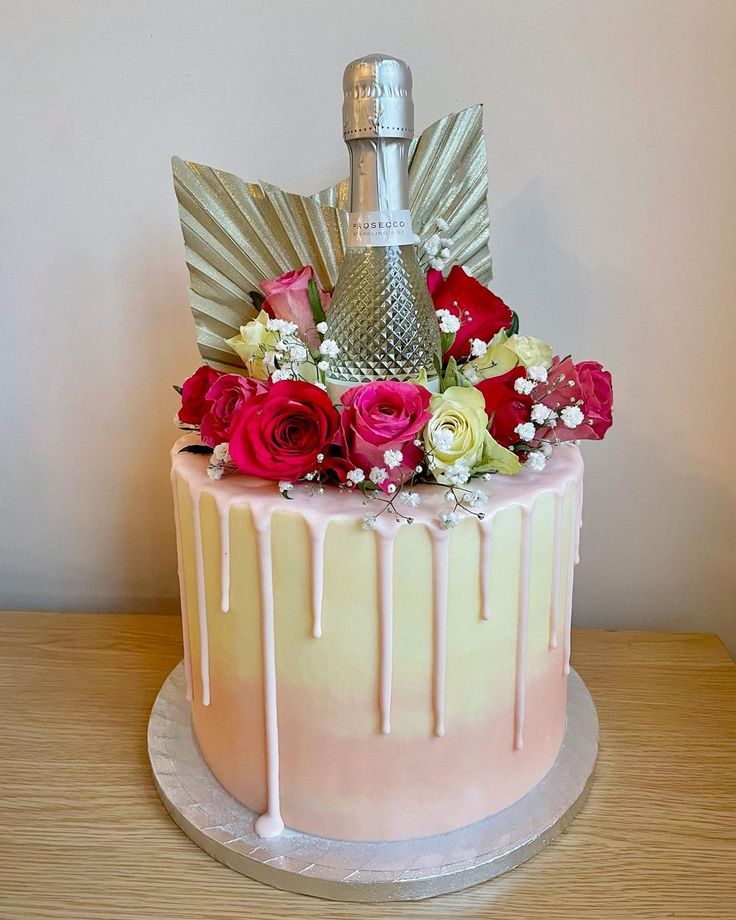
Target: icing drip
<point>522,628</point>
<point>440,568</point>
<point>270,823</point>
<point>385,553</point>
<point>224,511</point>
<point>317,527</point>
<point>204,645</point>
<point>554,608</point>
<point>182,588</point>
<point>486,545</point>
<point>574,543</point>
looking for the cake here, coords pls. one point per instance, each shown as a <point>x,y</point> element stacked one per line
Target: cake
<point>376,684</point>
<point>378,502</point>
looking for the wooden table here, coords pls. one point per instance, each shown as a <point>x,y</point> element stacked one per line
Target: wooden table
<point>84,835</point>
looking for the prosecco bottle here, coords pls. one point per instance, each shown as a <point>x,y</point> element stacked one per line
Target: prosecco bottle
<point>381,315</point>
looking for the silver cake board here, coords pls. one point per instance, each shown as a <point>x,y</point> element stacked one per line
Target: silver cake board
<point>348,871</point>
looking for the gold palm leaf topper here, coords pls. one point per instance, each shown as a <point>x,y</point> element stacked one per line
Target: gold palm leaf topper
<point>237,233</point>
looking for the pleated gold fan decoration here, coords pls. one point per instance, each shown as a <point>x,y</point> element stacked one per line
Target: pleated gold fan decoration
<point>237,233</point>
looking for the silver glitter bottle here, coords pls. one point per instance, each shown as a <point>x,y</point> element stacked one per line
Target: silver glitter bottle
<point>381,314</point>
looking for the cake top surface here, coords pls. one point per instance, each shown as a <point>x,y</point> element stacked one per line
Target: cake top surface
<point>421,503</point>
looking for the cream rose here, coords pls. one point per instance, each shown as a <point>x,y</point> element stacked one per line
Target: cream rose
<point>252,343</point>
<point>457,435</point>
<point>530,351</point>
<point>498,359</point>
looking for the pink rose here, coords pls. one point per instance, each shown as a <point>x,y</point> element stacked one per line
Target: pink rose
<point>288,299</point>
<point>597,389</point>
<point>225,397</point>
<point>278,434</point>
<point>383,416</point>
<point>194,403</point>
<point>564,388</point>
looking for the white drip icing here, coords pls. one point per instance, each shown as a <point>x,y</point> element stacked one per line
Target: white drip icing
<point>440,575</point>
<point>270,824</point>
<point>522,627</point>
<point>574,544</point>
<point>554,606</point>
<point>317,528</point>
<point>204,645</point>
<point>182,588</point>
<point>224,514</point>
<point>485,528</point>
<point>385,558</point>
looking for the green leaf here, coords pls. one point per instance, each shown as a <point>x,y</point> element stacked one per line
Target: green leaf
<point>438,367</point>
<point>315,302</point>
<point>446,341</point>
<point>178,389</point>
<point>514,327</point>
<point>196,449</point>
<point>451,375</point>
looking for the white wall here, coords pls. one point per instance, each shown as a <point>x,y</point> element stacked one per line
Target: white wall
<point>611,132</point>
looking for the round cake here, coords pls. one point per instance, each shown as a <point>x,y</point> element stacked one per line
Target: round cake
<point>382,682</point>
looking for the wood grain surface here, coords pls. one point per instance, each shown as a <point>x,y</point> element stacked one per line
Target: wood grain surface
<point>84,835</point>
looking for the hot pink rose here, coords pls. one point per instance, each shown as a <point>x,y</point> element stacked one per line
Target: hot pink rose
<point>383,416</point>
<point>225,397</point>
<point>194,403</point>
<point>597,388</point>
<point>564,388</point>
<point>288,299</point>
<point>278,434</point>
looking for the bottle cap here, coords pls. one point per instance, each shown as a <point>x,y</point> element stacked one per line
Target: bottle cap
<point>377,98</point>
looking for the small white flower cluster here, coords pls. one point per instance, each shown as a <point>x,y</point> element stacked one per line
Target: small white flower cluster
<point>477,499</point>
<point>410,499</point>
<point>378,475</point>
<point>393,458</point>
<point>478,348</point>
<point>442,439</point>
<point>285,486</point>
<point>369,522</point>
<point>457,474</point>
<point>219,461</point>
<point>437,247</point>
<point>284,360</point>
<point>328,349</point>
<point>572,416</point>
<point>535,374</point>
<point>355,477</point>
<point>448,519</point>
<point>449,323</point>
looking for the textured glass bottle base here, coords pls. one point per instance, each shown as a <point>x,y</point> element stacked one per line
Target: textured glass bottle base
<point>382,318</point>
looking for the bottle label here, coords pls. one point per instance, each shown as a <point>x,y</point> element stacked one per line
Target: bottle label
<point>380,228</point>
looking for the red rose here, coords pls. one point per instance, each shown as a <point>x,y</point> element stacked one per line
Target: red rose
<point>386,415</point>
<point>504,406</point>
<point>481,313</point>
<point>278,434</point>
<point>194,403</point>
<point>225,397</point>
<point>597,390</point>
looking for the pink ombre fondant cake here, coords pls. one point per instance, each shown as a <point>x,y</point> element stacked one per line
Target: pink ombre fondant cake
<point>381,683</point>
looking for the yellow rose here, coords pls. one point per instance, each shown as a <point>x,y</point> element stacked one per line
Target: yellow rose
<point>498,359</point>
<point>458,434</point>
<point>253,341</point>
<point>530,351</point>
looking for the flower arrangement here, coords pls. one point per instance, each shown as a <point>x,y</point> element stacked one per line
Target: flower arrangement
<point>505,401</point>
